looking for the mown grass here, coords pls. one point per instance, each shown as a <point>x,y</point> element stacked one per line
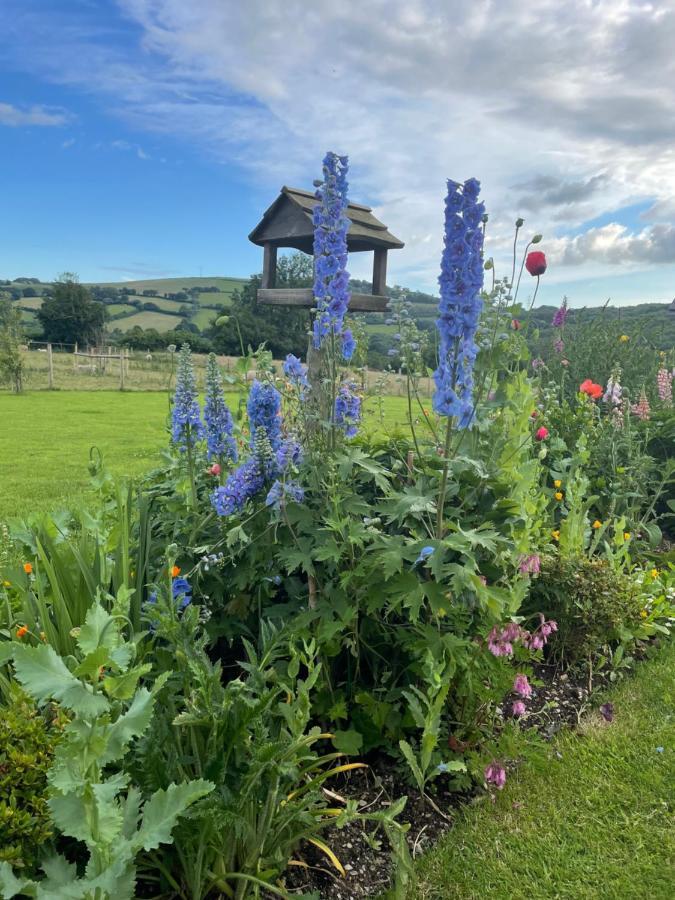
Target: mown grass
<point>45,440</point>
<point>594,821</point>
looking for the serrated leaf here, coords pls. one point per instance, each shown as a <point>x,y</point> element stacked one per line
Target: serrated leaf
<point>407,752</point>
<point>99,630</point>
<point>45,676</point>
<point>58,870</point>
<point>163,809</point>
<point>349,742</point>
<point>128,726</point>
<point>92,662</point>
<point>11,886</point>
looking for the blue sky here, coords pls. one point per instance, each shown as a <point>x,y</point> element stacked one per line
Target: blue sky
<point>144,138</point>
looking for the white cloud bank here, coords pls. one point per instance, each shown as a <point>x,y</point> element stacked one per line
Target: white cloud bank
<point>40,116</point>
<point>565,111</point>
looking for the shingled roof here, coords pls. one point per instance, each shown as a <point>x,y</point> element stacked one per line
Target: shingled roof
<point>288,223</point>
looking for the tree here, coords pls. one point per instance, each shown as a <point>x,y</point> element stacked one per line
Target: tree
<point>11,338</point>
<point>69,315</point>
<point>282,330</point>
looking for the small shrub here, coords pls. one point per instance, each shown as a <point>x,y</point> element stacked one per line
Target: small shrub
<point>27,741</point>
<point>593,604</point>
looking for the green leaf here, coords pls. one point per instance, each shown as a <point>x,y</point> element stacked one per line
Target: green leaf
<point>44,675</point>
<point>122,687</point>
<point>128,726</point>
<point>162,810</point>
<point>92,662</point>
<point>11,886</point>
<point>59,871</point>
<point>349,742</point>
<point>99,630</point>
<point>407,751</point>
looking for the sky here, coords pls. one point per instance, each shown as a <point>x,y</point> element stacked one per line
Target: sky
<point>145,138</point>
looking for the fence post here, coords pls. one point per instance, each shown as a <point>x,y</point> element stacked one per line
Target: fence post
<point>50,362</point>
<point>75,357</point>
<point>121,359</point>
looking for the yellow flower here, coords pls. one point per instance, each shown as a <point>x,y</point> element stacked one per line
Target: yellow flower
<point>557,483</point>
<point>6,583</point>
<point>597,524</point>
<point>643,613</point>
<point>555,535</point>
<point>624,338</point>
<point>43,637</point>
<point>626,535</point>
<point>558,495</point>
<point>654,573</point>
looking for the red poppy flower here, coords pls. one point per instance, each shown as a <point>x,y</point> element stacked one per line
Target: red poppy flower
<point>515,324</point>
<point>589,387</point>
<point>535,262</point>
<point>541,434</point>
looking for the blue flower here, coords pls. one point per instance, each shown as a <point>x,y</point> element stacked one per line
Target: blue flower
<point>348,410</point>
<point>181,591</point>
<point>264,407</point>
<point>295,371</point>
<point>425,553</point>
<point>331,279</point>
<point>220,442</point>
<point>289,453</point>
<point>186,425</point>
<point>461,280</point>
<point>282,492</point>
<point>348,344</point>
<point>241,484</point>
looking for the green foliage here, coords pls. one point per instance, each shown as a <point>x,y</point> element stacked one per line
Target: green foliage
<point>594,604</point>
<point>88,802</point>
<point>28,738</point>
<point>69,315</point>
<point>12,366</point>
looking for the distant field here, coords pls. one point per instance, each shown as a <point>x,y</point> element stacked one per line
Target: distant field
<point>204,318</point>
<point>45,440</point>
<point>159,320</point>
<point>170,306</point>
<point>115,308</point>
<point>29,303</point>
<point>172,285</point>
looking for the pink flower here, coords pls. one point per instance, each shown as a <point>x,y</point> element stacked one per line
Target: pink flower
<point>495,774</point>
<point>559,345</point>
<point>541,434</point>
<point>530,565</point>
<point>641,409</point>
<point>215,469</point>
<point>522,686</point>
<point>518,708</point>
<point>515,324</point>
<point>664,383</point>
<point>560,315</point>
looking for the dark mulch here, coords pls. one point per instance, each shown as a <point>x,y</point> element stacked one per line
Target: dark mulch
<point>559,699</point>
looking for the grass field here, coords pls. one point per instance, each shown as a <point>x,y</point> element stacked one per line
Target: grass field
<point>594,821</point>
<point>172,285</point>
<point>46,437</point>
<point>147,319</point>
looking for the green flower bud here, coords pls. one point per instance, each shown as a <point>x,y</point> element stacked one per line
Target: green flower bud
<point>536,238</point>
<point>520,223</point>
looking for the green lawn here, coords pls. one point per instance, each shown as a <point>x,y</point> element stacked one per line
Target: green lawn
<point>45,440</point>
<point>594,821</point>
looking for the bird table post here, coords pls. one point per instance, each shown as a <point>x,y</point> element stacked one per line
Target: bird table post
<point>50,362</point>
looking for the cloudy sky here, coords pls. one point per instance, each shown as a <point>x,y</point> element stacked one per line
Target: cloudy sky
<point>144,138</point>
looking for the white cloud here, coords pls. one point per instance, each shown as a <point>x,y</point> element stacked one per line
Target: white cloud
<point>40,116</point>
<point>574,103</point>
<point>128,145</point>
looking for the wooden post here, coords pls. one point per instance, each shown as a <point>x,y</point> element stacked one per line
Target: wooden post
<point>75,357</point>
<point>269,275</point>
<point>379,271</point>
<point>121,359</point>
<point>50,361</point>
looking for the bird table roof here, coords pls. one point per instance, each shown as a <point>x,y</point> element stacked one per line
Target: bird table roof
<point>288,223</point>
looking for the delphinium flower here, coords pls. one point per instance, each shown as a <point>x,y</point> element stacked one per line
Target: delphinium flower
<point>495,774</point>
<point>282,492</point>
<point>424,555</point>
<point>348,410</point>
<point>264,407</point>
<point>664,384</point>
<point>220,442</point>
<point>461,280</point>
<point>181,592</point>
<point>331,279</point>
<point>241,484</point>
<point>296,372</point>
<point>641,409</point>
<point>289,453</point>
<point>348,344</point>
<point>186,425</point>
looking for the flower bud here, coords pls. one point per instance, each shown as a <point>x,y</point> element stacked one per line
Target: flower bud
<point>520,223</point>
<point>489,264</point>
<point>537,238</point>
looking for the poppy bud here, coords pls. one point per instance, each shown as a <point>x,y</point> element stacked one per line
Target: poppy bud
<point>536,239</point>
<point>535,263</point>
<point>520,223</point>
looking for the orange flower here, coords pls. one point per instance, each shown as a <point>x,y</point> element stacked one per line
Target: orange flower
<point>21,632</point>
<point>593,390</point>
<point>175,571</point>
<point>28,568</point>
<point>597,524</point>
